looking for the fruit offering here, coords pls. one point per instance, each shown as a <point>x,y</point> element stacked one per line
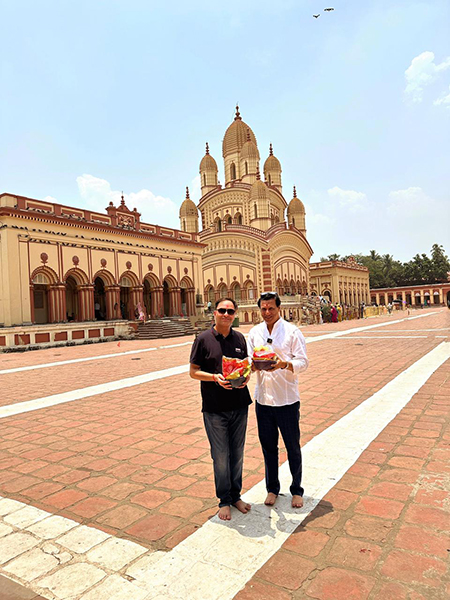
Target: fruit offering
<point>264,358</point>
<point>235,370</point>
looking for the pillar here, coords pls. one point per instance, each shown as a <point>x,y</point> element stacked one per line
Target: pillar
<point>159,301</point>
<point>112,300</point>
<point>175,302</point>
<point>57,303</point>
<point>85,302</point>
<point>377,298</point>
<point>421,297</point>
<point>190,302</point>
<point>441,296</point>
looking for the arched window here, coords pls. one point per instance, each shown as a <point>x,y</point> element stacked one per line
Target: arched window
<point>246,167</point>
<point>183,227</point>
<point>233,171</point>
<point>256,211</point>
<point>227,219</point>
<point>238,218</point>
<point>217,224</point>
<point>270,180</point>
<point>204,179</point>
<point>293,221</point>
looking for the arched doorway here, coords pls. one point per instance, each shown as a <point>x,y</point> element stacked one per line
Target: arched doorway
<point>41,286</point>
<point>152,291</point>
<point>99,299</point>
<point>126,308</point>
<point>72,299</point>
<point>327,295</point>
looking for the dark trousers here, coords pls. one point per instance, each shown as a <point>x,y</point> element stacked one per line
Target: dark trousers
<point>226,435</point>
<point>285,419</point>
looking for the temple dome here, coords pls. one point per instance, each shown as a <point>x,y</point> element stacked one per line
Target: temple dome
<point>188,207</point>
<point>249,149</point>
<point>236,136</point>
<point>208,163</point>
<point>259,189</point>
<point>296,206</point>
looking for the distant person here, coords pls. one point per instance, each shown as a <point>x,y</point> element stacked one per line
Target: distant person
<point>334,314</point>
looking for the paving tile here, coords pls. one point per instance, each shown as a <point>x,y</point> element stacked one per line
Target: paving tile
<point>354,554</point>
<point>336,584</point>
<point>32,564</point>
<point>286,570</point>
<point>153,527</point>
<point>72,580</point>
<point>411,568</point>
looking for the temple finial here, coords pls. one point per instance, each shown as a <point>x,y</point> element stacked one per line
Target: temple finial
<point>187,193</point>
<point>270,149</point>
<point>295,192</point>
<point>207,148</point>
<point>238,114</point>
<point>122,201</point>
<point>258,174</point>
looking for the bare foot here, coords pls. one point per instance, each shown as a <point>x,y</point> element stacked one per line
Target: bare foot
<point>244,507</point>
<point>271,499</point>
<point>224,513</point>
<point>297,501</point>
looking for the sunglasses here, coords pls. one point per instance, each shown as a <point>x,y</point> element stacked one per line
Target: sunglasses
<point>228,311</point>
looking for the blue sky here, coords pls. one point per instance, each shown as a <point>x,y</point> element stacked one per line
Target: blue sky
<point>100,96</point>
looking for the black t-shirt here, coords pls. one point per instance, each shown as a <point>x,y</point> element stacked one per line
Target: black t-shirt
<point>207,353</point>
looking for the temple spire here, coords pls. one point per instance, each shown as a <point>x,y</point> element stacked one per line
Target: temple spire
<point>122,201</point>
<point>249,139</point>
<point>258,174</point>
<point>207,148</point>
<point>270,149</point>
<point>187,193</point>
<point>295,192</point>
<point>238,114</point>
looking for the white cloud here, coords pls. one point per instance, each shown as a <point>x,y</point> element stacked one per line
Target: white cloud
<point>422,72</point>
<point>410,203</point>
<point>444,99</point>
<point>50,199</point>
<point>354,201</point>
<point>96,194</point>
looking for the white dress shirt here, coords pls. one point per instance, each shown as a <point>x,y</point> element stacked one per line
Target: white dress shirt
<point>280,387</point>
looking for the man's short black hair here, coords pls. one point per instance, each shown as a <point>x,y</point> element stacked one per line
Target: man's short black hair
<point>226,299</point>
<point>269,296</point>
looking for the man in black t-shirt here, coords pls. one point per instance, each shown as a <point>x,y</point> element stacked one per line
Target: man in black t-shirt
<point>224,408</point>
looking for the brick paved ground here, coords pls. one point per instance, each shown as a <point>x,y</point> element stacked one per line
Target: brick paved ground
<point>135,462</point>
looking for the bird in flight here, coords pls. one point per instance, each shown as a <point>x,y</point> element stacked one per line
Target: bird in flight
<point>316,16</point>
<point>327,9</point>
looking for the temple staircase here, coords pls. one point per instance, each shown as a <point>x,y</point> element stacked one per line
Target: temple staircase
<point>164,328</point>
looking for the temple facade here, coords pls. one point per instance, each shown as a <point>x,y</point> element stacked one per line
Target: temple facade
<point>60,264</point>
<point>344,282</point>
<point>254,240</point>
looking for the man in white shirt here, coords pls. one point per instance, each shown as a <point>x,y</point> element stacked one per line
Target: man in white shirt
<point>277,396</point>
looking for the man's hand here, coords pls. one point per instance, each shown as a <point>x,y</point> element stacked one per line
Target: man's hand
<point>245,382</point>
<point>220,379</point>
<point>280,364</point>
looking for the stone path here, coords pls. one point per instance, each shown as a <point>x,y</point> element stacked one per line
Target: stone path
<point>133,465</point>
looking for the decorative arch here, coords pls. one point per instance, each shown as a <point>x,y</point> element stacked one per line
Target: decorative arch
<point>236,291</point>
<point>232,171</point>
<point>106,276</point>
<point>249,288</point>
<point>238,218</point>
<point>132,277</point>
<point>209,294</point>
<point>49,273</point>
<point>293,287</point>
<point>227,220</point>
<point>285,286</point>
<point>171,281</point>
<point>186,282</point>
<point>152,279</point>
<point>217,224</point>
<point>279,287</point>
<point>78,274</point>
<point>222,290</point>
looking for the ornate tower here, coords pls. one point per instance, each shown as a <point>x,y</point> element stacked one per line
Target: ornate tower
<point>249,160</point>
<point>233,141</point>
<point>259,206</point>
<point>272,170</point>
<point>296,213</point>
<point>208,172</point>
<point>188,215</point>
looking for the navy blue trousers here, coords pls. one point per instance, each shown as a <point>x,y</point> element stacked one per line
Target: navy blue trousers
<point>226,435</point>
<point>283,419</point>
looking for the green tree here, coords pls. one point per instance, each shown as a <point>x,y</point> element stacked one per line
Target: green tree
<point>440,263</point>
